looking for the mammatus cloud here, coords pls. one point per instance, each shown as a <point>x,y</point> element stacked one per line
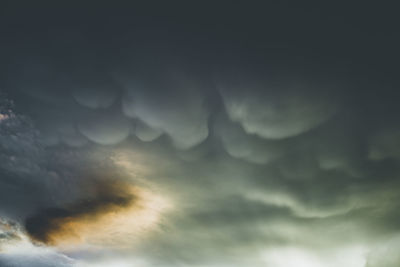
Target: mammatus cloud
<point>145,133</point>
<point>276,110</point>
<point>105,128</point>
<point>173,105</point>
<point>100,94</point>
<point>224,137</point>
<point>275,193</point>
<point>245,146</point>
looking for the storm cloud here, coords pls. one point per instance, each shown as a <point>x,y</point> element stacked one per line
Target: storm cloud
<point>198,136</point>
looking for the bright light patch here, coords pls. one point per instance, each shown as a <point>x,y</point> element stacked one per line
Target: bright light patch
<point>114,263</point>
<point>291,257</point>
<point>354,256</point>
<point>3,117</point>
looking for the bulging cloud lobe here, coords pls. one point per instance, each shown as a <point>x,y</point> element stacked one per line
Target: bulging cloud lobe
<point>275,110</point>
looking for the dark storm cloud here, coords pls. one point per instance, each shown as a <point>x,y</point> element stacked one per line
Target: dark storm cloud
<point>268,130</point>
<point>22,161</point>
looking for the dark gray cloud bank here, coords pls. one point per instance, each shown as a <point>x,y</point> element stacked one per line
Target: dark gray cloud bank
<point>241,136</point>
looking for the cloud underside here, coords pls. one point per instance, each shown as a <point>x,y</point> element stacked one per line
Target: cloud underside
<point>257,171</point>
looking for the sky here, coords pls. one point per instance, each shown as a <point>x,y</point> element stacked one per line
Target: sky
<point>204,134</point>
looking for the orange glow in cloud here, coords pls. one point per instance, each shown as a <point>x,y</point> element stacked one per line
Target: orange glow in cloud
<point>118,214</point>
<point>117,223</point>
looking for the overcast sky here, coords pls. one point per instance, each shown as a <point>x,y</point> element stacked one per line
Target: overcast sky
<point>199,134</point>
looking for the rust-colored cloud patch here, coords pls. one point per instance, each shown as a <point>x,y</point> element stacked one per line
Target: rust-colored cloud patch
<point>116,212</point>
